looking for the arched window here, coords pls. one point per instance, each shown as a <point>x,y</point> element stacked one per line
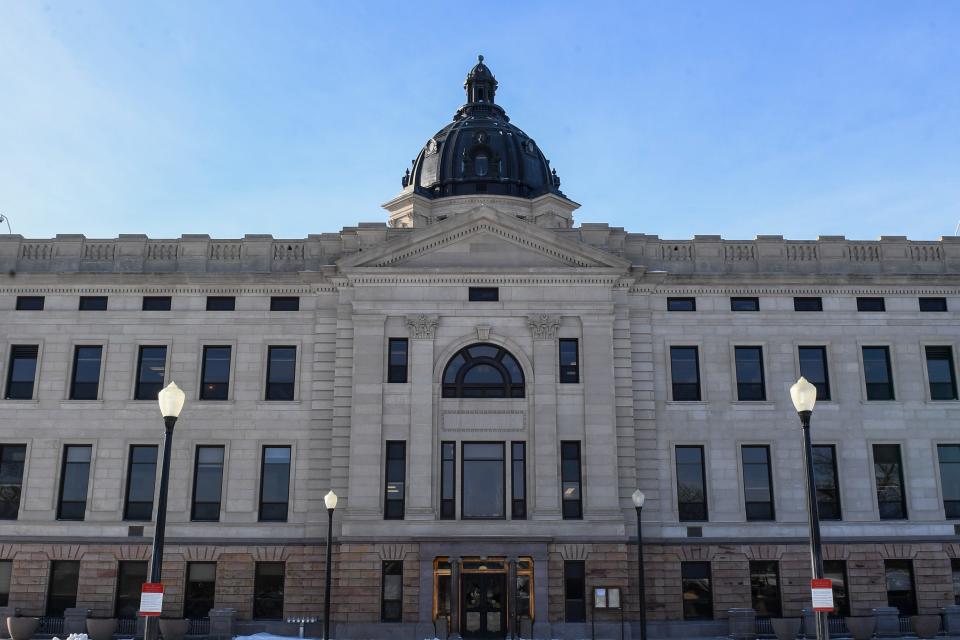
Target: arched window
<point>483,371</point>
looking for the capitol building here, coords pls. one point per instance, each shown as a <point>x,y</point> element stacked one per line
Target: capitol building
<point>484,383</point>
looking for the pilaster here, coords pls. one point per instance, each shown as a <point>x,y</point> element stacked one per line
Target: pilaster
<point>420,452</point>
<point>546,451</point>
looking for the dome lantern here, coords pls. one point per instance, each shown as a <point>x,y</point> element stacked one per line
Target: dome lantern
<point>481,85</point>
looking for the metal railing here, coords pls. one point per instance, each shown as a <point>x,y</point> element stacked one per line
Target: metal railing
<point>837,627</point>
<point>126,627</point>
<point>52,625</point>
<point>764,626</point>
<point>199,627</point>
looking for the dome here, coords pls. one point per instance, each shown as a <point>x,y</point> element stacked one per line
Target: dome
<point>481,151</point>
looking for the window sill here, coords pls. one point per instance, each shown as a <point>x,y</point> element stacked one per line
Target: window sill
<point>273,403</point>
<point>19,404</point>
<point>94,404</point>
<point>754,404</point>
<point>679,404</point>
<point>211,403</point>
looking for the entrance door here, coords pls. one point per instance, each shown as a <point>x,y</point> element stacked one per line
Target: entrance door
<point>484,605</point>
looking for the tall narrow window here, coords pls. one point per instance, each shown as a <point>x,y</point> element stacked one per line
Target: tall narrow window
<point>757,483</point>
<point>131,574</point>
<point>391,591</point>
<point>482,489</point>
<point>813,367</point>
<point>141,479</point>
<point>156,303</point>
<point>268,579</point>
<point>284,303</point>
<point>749,365</point>
<point>85,384</point>
<point>448,480</point>
<point>6,572</point>
<point>901,589</point>
<point>221,303</point>
<point>397,356</point>
<point>697,593</point>
<point>765,588</point>
<point>877,373</point>
<point>518,480</point>
<point>151,366</point>
<point>22,372</point>
<point>933,304</point>
<point>200,590</point>
<point>74,477</point>
<point>215,376</point>
<point>12,458</point>
<point>949,455</point>
<point>275,484</point>
<point>29,303</point>
<point>395,480</point>
<point>685,374</point>
<point>569,362</point>
<point>207,484</point>
<point>888,470</point>
<point>62,590</point>
<point>836,571</point>
<point>574,591</point>
<point>808,304</point>
<point>940,372</point>
<point>570,480</point>
<point>691,484</point>
<point>828,484</point>
<point>93,303</point>
<point>281,372</point>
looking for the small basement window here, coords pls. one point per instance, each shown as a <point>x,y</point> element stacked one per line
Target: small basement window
<point>484,294</point>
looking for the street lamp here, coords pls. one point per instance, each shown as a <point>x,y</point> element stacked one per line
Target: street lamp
<point>331,501</point>
<point>171,403</point>
<point>638,500</point>
<point>804,396</point>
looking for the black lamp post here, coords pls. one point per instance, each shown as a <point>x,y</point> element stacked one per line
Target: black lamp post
<point>171,403</point>
<point>638,500</point>
<point>804,396</point>
<point>331,501</point>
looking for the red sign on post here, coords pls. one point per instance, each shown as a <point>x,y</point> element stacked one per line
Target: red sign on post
<point>822,591</point>
<point>151,599</point>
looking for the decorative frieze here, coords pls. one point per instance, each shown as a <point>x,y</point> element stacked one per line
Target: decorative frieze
<point>543,326</point>
<point>422,327</point>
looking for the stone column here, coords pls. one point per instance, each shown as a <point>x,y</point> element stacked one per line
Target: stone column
<point>545,452</point>
<point>512,618</point>
<point>420,450</point>
<point>600,460</point>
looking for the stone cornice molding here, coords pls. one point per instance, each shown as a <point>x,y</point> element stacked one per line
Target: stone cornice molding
<point>543,326</point>
<point>422,326</point>
<point>155,290</point>
<point>378,278</point>
<point>787,290</point>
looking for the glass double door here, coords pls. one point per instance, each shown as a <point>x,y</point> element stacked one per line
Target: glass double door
<point>484,605</point>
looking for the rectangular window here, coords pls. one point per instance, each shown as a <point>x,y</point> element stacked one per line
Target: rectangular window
<point>574,591</point>
<point>954,567</point>
<point>757,482</point>
<point>681,304</point>
<point>22,372</point>
<point>685,374</point>
<point>569,362</point>
<point>765,588</point>
<point>744,304</point>
<point>901,592</point>
<point>484,294</point>
<point>268,579</point>
<point>570,480</point>
<point>284,303</point>
<point>200,590</point>
<point>156,303</point>
<point>221,303</point>
<point>518,480</point>
<point>74,477</point>
<point>151,365</point>
<point>930,304</point>
<point>12,458</point>
<point>207,484</point>
<point>85,384</point>
<point>29,303</point>
<point>93,303</point>
<point>482,491</point>
<point>871,304</point>
<point>6,573</point>
<point>62,590</point>
<point>697,594</point>
<point>141,479</point>
<point>448,480</point>
<point>749,365</point>
<point>281,373</point>
<point>391,591</point>
<point>949,457</point>
<point>691,484</point>
<point>397,359</point>
<point>131,574</point>
<point>827,481</point>
<point>836,571</point>
<point>877,373</point>
<point>808,304</point>
<point>813,367</point>
<point>940,372</point>
<point>888,470</point>
<point>395,480</point>
<point>275,484</point>
<point>215,376</point>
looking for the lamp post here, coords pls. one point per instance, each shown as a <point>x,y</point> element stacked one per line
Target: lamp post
<point>638,500</point>
<point>804,396</point>
<point>171,403</point>
<point>331,501</point>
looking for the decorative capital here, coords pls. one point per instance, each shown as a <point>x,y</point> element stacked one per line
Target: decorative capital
<point>422,327</point>
<point>543,326</point>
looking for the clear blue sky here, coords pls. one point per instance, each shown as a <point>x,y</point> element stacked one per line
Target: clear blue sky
<point>284,117</point>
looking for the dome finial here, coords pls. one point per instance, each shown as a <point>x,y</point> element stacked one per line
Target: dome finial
<point>480,57</point>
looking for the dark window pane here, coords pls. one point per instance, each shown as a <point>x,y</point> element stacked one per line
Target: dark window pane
<point>877,373</point>
<point>448,480</point>
<point>888,471</point>
<point>828,485</point>
<point>141,479</point>
<point>12,458</point>
<point>940,372</point>
<point>215,377</point>
<point>221,303</point>
<point>808,304</point>
<point>22,372</point>
<point>813,367</point>
<point>765,588</point>
<point>685,374</point>
<point>86,373</point>
<point>395,480</point>
<point>574,591</point>
<point>275,484</point>
<point>207,484</point>
<point>749,366</point>
<point>901,591</point>
<point>29,303</point>
<point>391,591</point>
<point>131,574</point>
<point>871,304</point>
<point>281,372</point>
<point>74,478</point>
<point>949,457</point>
<point>93,303</point>
<point>570,478</point>
<point>397,360</point>
<point>150,372</point>
<point>955,569</point>
<point>757,483</point>
<point>156,303</point>
<point>268,582</point>
<point>201,586</point>
<point>484,294</point>
<point>569,362</point>
<point>836,571</point>
<point>933,304</point>
<point>518,480</point>
<point>691,484</point>
<point>62,591</point>
<point>483,480</point>
<point>284,303</point>
<point>744,304</point>
<point>681,304</point>
<point>483,371</point>
<point>6,573</point>
<point>697,593</point>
